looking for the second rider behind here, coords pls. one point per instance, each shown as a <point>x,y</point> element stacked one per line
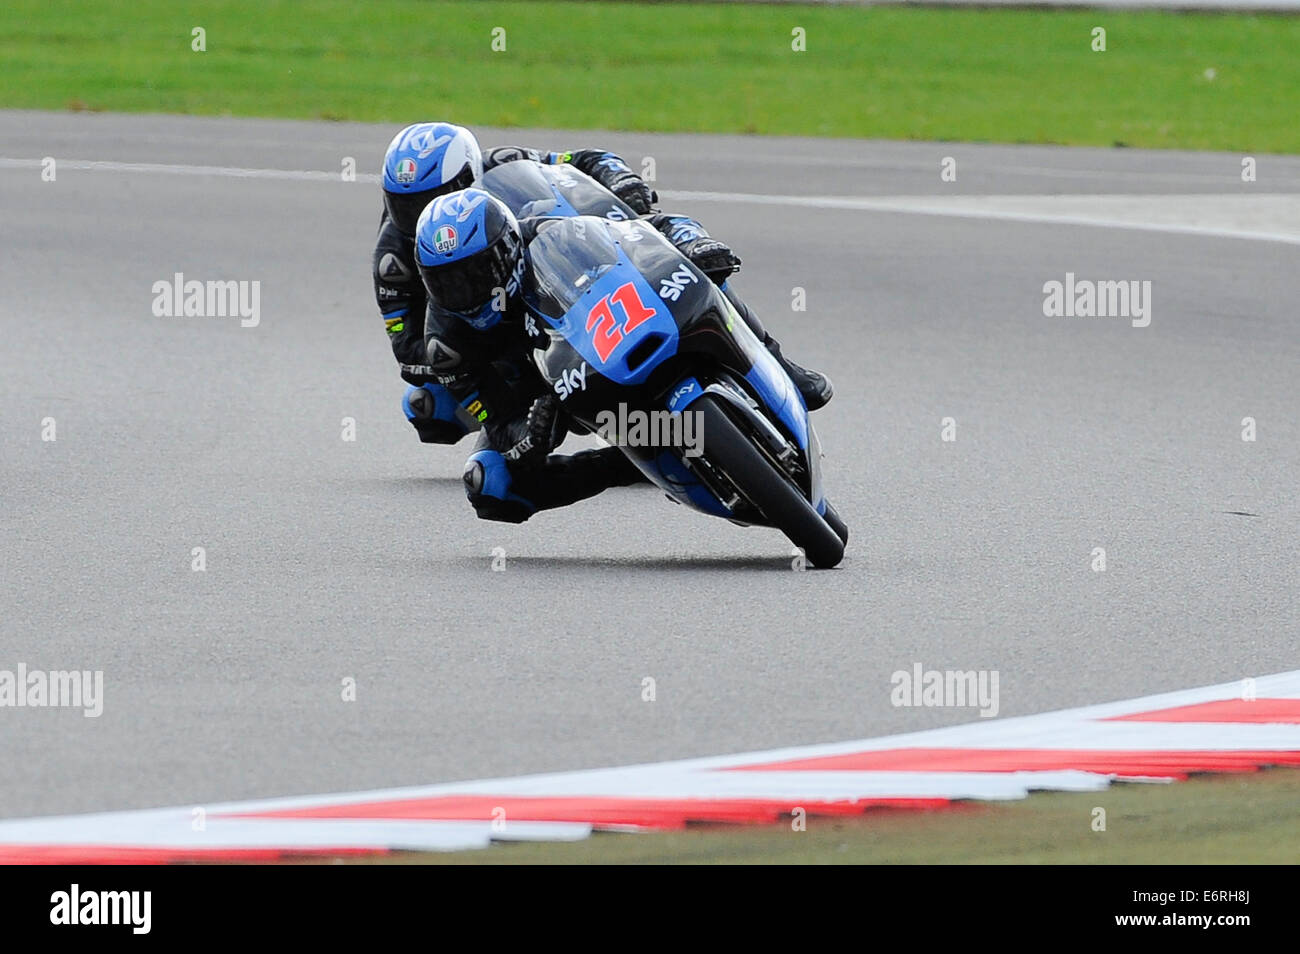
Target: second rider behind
<point>424,161</point>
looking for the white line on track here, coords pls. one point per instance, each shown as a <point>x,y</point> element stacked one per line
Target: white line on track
<point>961,207</point>
<point>230,172</point>
<point>974,167</point>
<point>970,207</point>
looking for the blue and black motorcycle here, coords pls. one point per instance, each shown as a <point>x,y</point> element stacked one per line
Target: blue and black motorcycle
<point>636,333</point>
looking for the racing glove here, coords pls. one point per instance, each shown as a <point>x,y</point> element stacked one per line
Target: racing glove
<point>713,258</point>
<point>537,434</point>
<point>616,176</point>
<point>638,196</point>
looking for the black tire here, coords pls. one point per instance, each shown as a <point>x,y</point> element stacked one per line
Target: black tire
<point>732,452</point>
<point>832,517</point>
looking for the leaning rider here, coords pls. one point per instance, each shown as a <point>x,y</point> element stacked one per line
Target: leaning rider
<point>471,255</point>
<point>424,161</point>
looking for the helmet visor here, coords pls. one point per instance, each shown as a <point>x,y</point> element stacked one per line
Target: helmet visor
<point>465,287</point>
<point>404,208</point>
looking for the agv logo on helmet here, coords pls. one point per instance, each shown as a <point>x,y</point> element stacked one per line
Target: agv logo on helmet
<point>444,240</point>
<point>406,170</point>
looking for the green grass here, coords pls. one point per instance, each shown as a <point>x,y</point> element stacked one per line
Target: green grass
<point>997,75</point>
<point>1213,819</point>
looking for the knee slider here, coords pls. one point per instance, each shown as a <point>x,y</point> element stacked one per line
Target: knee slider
<point>432,412</point>
<point>487,485</point>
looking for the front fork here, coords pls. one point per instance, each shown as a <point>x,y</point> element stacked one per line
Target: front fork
<point>783,454</point>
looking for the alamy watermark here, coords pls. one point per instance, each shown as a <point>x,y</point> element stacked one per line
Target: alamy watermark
<point>179,298</point>
<point>128,908</point>
<point>1083,298</point>
<point>58,688</point>
<point>946,688</point>
<point>632,427</point>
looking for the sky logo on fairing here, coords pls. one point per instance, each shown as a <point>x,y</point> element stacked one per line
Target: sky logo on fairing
<point>571,380</point>
<point>671,288</point>
<point>688,388</point>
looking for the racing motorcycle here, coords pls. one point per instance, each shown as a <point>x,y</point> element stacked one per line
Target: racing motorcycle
<point>533,188</point>
<point>634,332</point>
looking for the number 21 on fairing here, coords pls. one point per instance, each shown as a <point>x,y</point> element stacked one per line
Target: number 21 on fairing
<point>606,335</point>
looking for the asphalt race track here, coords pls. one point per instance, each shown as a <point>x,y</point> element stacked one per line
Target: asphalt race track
<point>329,559</point>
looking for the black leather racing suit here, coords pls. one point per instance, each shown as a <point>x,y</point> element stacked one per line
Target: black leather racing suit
<point>399,292</point>
<point>490,373</point>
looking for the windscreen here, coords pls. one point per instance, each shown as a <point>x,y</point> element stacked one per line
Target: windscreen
<point>522,186</point>
<point>530,188</point>
<point>568,255</point>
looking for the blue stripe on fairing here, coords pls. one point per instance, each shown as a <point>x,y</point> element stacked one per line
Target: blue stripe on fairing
<point>674,473</point>
<point>683,394</point>
<point>562,206</point>
<point>780,395</point>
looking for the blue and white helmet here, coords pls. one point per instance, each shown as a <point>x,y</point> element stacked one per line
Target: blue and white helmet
<point>424,161</point>
<point>467,245</point>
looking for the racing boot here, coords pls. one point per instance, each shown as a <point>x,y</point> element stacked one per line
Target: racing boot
<point>813,386</point>
<point>718,262</point>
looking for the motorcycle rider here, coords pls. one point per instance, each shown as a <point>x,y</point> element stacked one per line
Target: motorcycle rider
<point>424,161</point>
<point>471,256</point>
